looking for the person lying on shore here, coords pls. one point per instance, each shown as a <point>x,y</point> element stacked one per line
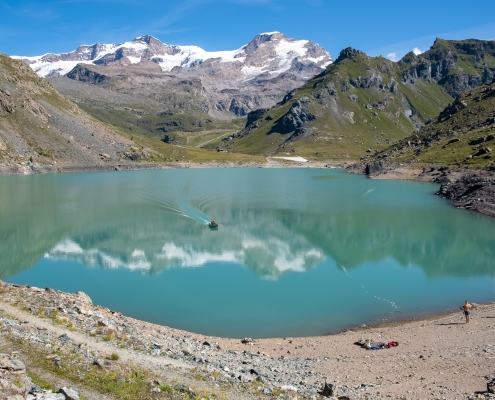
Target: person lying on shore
<point>368,344</point>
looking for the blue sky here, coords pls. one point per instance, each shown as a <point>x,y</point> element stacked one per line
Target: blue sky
<point>390,28</point>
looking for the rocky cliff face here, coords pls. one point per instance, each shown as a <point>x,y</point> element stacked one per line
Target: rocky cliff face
<point>456,65</point>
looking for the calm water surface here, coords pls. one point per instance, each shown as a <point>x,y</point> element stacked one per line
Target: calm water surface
<point>298,251</point>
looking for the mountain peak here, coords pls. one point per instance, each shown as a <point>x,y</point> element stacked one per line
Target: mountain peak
<point>264,38</point>
<point>348,52</point>
<point>148,39</point>
<point>269,52</point>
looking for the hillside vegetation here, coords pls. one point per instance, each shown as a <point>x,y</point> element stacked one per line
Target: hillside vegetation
<point>42,131</point>
<point>362,104</point>
<point>144,100</point>
<point>462,135</point>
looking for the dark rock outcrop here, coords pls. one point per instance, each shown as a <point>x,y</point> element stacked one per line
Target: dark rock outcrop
<point>83,74</point>
<point>6,104</point>
<point>452,109</point>
<point>348,52</point>
<point>299,133</point>
<point>374,168</point>
<point>472,192</point>
<point>365,82</point>
<point>297,116</point>
<point>254,115</point>
<point>135,155</point>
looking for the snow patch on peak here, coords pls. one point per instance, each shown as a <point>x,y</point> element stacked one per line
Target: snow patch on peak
<point>268,52</point>
<point>269,33</point>
<point>145,38</point>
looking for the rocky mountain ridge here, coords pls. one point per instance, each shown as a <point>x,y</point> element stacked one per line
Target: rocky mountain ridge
<point>231,80</point>
<point>180,88</point>
<point>272,53</point>
<point>361,103</point>
<point>455,149</point>
<point>461,136</point>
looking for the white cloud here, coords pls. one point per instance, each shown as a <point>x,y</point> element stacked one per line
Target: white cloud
<point>417,51</point>
<point>392,56</point>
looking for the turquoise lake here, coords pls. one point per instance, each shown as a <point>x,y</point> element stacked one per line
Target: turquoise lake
<point>298,252</point>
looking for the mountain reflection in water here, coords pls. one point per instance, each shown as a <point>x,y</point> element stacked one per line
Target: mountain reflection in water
<point>274,223</point>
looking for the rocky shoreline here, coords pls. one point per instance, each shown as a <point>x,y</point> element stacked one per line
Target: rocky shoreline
<point>474,192</point>
<point>432,354</point>
<point>466,189</point>
<point>28,168</point>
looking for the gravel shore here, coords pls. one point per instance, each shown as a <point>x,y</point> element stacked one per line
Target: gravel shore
<point>438,357</point>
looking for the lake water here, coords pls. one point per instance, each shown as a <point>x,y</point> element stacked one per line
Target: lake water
<point>298,251</point>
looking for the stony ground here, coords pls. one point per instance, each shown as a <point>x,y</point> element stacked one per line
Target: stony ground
<point>65,339</point>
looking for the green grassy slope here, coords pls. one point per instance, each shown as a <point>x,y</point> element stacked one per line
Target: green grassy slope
<point>365,103</point>
<point>463,135</point>
<point>41,128</point>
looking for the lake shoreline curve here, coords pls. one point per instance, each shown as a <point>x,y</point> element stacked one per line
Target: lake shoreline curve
<point>437,357</point>
<point>466,189</point>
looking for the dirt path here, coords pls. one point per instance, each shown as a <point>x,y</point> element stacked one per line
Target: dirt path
<point>168,369</point>
<point>92,343</point>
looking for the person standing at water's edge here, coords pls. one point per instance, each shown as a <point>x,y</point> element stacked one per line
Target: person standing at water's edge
<point>466,309</point>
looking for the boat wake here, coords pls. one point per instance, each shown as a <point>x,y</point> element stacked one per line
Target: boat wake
<point>171,199</point>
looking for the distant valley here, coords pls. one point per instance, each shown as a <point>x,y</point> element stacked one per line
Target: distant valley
<point>153,88</point>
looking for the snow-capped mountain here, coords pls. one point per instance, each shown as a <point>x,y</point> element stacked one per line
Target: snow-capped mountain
<point>272,53</point>
<point>222,84</point>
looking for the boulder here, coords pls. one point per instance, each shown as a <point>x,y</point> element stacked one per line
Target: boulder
<point>483,150</point>
<point>63,338</point>
<point>10,363</point>
<point>490,386</point>
<point>52,396</point>
<point>374,168</point>
<point>135,156</point>
<point>329,390</point>
<point>70,394</point>
<point>477,140</point>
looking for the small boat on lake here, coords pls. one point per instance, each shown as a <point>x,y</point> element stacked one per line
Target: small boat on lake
<point>213,224</point>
